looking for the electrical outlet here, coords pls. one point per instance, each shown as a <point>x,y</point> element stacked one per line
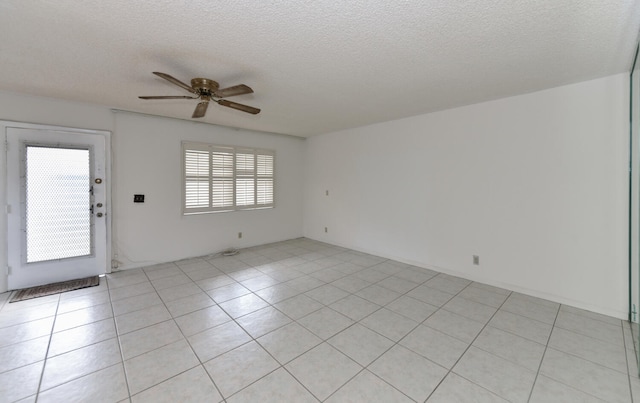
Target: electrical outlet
<point>239,234</point>
<point>325,229</point>
<point>138,198</point>
<point>476,260</point>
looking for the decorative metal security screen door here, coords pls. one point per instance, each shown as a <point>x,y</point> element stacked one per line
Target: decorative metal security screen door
<point>56,215</point>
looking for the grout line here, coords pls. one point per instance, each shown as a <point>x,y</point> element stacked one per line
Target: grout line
<point>543,355</point>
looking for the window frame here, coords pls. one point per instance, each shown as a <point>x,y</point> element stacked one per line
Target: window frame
<point>254,176</point>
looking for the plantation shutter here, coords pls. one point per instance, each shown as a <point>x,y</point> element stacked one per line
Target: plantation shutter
<point>196,179</point>
<point>245,178</point>
<point>264,176</point>
<point>221,179</point>
<point>218,178</point>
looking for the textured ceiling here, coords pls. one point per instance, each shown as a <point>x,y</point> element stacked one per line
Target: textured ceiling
<point>315,66</point>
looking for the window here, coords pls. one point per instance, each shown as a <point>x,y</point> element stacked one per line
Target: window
<point>220,178</point>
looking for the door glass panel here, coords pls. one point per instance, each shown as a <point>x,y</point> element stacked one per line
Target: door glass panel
<point>58,218</point>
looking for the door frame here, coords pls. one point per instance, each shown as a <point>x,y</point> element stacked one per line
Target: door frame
<point>4,125</point>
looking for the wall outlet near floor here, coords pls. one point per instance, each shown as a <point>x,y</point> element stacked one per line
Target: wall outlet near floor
<point>476,260</point>
<point>325,229</point>
<point>239,235</point>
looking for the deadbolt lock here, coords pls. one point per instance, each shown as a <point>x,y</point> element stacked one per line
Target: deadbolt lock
<point>99,205</point>
<point>99,214</point>
<point>98,180</point>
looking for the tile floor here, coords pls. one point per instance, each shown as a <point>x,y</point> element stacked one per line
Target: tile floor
<point>303,321</point>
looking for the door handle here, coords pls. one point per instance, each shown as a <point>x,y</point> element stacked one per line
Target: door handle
<point>99,214</point>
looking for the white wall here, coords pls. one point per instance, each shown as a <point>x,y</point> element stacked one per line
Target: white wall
<point>147,154</point>
<point>536,185</point>
<point>146,159</point>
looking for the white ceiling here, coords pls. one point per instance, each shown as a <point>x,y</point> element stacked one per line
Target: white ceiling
<point>316,66</point>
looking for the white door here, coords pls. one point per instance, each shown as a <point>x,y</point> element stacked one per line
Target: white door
<point>56,196</point>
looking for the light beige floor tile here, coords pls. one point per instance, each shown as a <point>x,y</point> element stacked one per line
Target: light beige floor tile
<point>456,389</point>
<point>366,387</point>
<point>149,338</point>
<point>323,370</point>
<point>24,353</point>
<point>586,376</point>
<point>82,317</point>
<point>218,340</point>
<point>198,321</point>
<point>277,293</point>
<point>174,291</point>
<point>138,319</point>
<point>83,361</point>
<point>351,284</point>
<point>524,307</point>
<point>397,284</point>
<point>298,306</point>
<point>263,321</point>
<point>469,309</point>
<point>378,295</point>
<point>25,331</point>
<point>288,342</point>
<point>408,372</point>
<point>21,382</point>
<point>610,355</point>
<point>361,344</point>
<point>454,325</point>
<point>483,296</point>
<point>189,304</point>
<point>591,327</point>
<point>445,284</point>
<point>592,315</point>
<point>354,307</point>
<point>440,348</point>
<point>277,387</point>
<point>227,292</point>
<point>83,301</point>
<point>136,303</point>
<point>522,326</point>
<point>259,282</point>
<point>327,294</point>
<point>547,390</point>
<point>510,381</point>
<point>131,291</point>
<point>11,317</point>
<point>81,336</point>
<point>106,385</point>
<point>412,308</point>
<point>214,282</point>
<point>154,367</point>
<point>511,347</point>
<point>389,324</point>
<point>238,368</point>
<point>243,305</point>
<point>325,322</point>
<point>430,295</point>
<point>192,386</point>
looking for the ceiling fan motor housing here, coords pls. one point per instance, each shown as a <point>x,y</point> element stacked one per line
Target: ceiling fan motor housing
<point>204,86</point>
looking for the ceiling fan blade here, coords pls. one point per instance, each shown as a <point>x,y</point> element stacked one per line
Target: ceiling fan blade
<point>169,97</point>
<point>174,81</point>
<point>201,109</point>
<point>240,107</point>
<point>231,91</point>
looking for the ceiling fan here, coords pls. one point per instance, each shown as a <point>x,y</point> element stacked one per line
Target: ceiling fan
<point>207,90</point>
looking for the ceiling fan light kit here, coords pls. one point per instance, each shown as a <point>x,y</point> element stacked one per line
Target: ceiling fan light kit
<point>207,90</point>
